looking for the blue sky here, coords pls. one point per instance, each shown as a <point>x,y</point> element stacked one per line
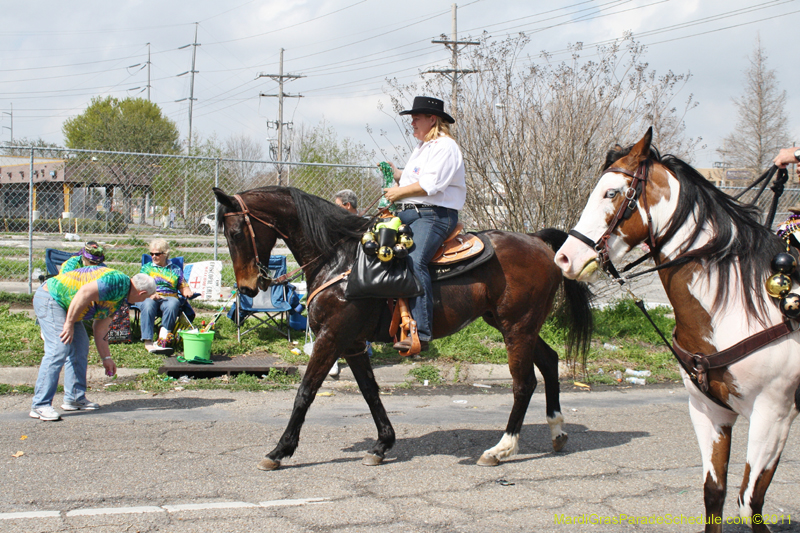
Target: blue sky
<point>57,56</point>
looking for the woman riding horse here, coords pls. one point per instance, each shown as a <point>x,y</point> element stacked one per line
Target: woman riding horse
<point>433,188</point>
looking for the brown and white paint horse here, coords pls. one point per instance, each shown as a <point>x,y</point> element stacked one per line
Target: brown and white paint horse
<point>721,257</point>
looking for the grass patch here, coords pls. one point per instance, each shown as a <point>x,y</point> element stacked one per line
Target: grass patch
<point>622,339</point>
<point>426,372</point>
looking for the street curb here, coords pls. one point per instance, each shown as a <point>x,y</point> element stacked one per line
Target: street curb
<point>395,374</point>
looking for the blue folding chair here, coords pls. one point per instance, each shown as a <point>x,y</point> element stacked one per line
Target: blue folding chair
<point>53,259</point>
<point>268,308</point>
<point>186,308</point>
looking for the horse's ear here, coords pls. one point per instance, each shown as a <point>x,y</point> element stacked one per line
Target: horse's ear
<point>641,150</point>
<point>223,198</point>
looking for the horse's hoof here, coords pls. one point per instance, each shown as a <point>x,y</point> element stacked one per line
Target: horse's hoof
<point>372,459</point>
<point>488,460</point>
<point>559,442</point>
<point>268,464</point>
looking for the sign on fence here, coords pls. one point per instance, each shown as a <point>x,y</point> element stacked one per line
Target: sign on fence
<point>205,277</point>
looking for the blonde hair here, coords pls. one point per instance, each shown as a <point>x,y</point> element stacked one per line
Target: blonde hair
<point>440,127</point>
<point>160,245</point>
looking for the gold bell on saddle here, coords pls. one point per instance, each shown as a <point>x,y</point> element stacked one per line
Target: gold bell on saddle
<point>406,241</point>
<point>367,237</point>
<point>385,254</point>
<point>778,285</point>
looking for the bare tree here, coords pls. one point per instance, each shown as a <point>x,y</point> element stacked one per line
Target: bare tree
<point>762,125</point>
<point>535,133</point>
<point>247,171</point>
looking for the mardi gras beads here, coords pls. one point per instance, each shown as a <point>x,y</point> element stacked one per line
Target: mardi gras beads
<point>779,284</point>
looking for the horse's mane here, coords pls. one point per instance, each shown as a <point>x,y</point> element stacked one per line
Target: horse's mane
<point>738,237</point>
<point>326,226</point>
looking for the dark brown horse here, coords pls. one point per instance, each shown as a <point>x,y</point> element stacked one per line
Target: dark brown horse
<point>513,292</point>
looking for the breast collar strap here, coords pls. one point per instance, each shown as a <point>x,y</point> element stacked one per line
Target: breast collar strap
<point>636,191</point>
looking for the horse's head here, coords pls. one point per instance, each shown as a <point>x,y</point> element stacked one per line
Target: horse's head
<point>625,209</point>
<point>250,240</point>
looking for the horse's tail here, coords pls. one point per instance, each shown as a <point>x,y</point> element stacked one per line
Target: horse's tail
<point>574,311</point>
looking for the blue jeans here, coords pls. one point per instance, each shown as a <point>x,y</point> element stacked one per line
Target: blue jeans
<point>431,226</point>
<point>168,308</point>
<point>74,357</point>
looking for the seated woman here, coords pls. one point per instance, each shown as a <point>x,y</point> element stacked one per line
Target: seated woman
<point>169,284</point>
<point>91,254</point>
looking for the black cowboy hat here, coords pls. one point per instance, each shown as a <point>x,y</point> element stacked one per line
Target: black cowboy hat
<point>427,105</point>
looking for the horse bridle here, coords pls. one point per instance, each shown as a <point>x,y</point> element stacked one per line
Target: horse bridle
<point>263,270</point>
<point>636,191</point>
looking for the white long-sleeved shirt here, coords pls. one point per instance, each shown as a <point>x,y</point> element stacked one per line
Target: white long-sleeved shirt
<point>438,167</point>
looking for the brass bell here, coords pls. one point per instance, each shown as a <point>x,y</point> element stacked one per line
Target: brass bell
<point>778,285</point>
<point>406,241</point>
<point>784,263</point>
<point>368,236</point>
<point>385,254</point>
<point>371,247</point>
<point>400,251</point>
<point>790,305</point>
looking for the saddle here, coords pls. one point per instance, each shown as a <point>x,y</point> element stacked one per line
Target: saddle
<point>457,247</point>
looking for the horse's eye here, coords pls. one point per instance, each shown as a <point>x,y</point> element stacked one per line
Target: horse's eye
<point>238,236</point>
<point>611,193</point>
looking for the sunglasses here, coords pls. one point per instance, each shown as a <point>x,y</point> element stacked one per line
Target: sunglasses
<point>156,254</point>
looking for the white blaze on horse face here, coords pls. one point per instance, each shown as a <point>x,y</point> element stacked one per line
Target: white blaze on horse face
<point>575,257</point>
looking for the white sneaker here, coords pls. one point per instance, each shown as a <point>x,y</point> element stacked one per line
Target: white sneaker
<point>334,371</point>
<point>81,405</point>
<point>46,413</point>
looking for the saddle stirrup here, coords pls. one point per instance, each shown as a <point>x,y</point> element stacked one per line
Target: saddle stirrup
<point>404,324</point>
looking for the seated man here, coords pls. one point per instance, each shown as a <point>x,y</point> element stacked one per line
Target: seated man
<point>169,284</point>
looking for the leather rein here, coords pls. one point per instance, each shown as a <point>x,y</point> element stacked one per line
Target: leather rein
<point>696,365</point>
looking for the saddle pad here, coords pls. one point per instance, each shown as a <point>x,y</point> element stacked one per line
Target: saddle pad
<point>460,248</point>
<point>453,269</point>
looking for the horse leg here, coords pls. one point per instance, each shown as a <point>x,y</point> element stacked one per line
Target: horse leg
<point>322,359</point>
<point>362,371</point>
<point>520,362</point>
<point>713,425</point>
<point>769,428</point>
<point>546,359</point>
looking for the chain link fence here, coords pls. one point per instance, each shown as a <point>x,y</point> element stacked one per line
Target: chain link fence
<point>124,200</point>
<point>61,198</point>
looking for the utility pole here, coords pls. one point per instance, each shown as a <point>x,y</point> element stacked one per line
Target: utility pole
<point>11,114</point>
<point>191,102</point>
<point>279,124</point>
<point>454,73</point>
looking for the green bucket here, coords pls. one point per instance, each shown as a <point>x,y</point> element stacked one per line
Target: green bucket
<point>196,347</point>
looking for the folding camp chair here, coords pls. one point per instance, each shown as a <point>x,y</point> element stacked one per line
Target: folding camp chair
<point>53,259</point>
<point>186,309</point>
<point>268,308</point>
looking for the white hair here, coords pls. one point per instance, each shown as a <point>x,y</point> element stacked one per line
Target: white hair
<point>143,282</point>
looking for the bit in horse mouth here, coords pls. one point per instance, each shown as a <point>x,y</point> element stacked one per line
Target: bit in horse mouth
<point>588,269</point>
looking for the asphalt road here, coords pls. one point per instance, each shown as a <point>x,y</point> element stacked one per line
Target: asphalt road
<point>185,461</point>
